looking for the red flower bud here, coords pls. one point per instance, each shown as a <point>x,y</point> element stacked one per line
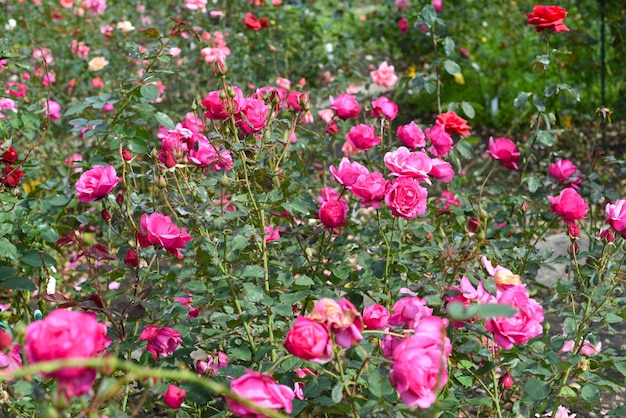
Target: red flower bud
<point>608,235</point>
<point>126,155</point>
<point>506,381</point>
<point>105,215</point>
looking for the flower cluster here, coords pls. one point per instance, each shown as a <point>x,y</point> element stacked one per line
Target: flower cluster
<point>10,176</point>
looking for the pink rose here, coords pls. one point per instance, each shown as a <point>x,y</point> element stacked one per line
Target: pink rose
<point>309,340</point>
<point>62,335</point>
<point>504,150</point>
<point>363,137</point>
<point>333,213</point>
<point>523,326</point>
<point>345,106</point>
<point>617,215</point>
<point>409,311</point>
<point>297,100</point>
<point>385,108</point>
<point>218,109</point>
<point>588,349</point>
<point>566,172</point>
<point>262,390</point>
<point>437,5</point>
<point>161,341</point>
<point>442,170</point>
<point>403,25</point>
<point>10,361</point>
<point>447,199</point>
<point>174,396</point>
<point>7,104</point>
<point>196,5</point>
<point>402,162</point>
<point>412,136</point>
<point>96,183</point>
<point>454,123</point>
<point>205,154</point>
<point>53,109</point>
<point>328,193</point>
<point>341,318</point>
<point>252,116</point>
<point>272,233</point>
<point>406,198</point>
<point>384,75</point>
<point>569,204</point>
<point>467,295</point>
<point>420,365</point>
<point>371,188</point>
<point>347,172</point>
<point>563,412</point>
<point>159,230</point>
<point>440,139</point>
<point>375,317</point>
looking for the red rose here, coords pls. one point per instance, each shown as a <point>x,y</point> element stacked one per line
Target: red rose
<point>548,17</point>
<point>252,22</point>
<point>11,176</point>
<point>454,124</point>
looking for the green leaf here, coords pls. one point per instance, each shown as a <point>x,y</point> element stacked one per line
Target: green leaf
<point>75,108</point>
<point>535,390</point>
<point>337,393</point>
<point>239,353</point>
<point>37,259</point>
<point>533,183</point>
<point>546,138</point>
<point>253,271</point>
<point>7,249</point>
<point>196,287</point>
<point>139,146</point>
<point>253,292</point>
<point>164,120</point>
<point>465,149</point>
<point>429,15</point>
<point>495,310</point>
<point>468,109</point>
<point>543,59</point>
<point>520,101</point>
<point>149,92</point>
<point>590,394</point>
<point>291,298</point>
<point>59,200</point>
<point>18,283</point>
<point>539,103</point>
<point>451,67</point>
<point>448,46</point>
<point>620,411</point>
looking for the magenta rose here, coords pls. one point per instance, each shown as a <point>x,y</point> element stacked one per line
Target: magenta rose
<point>441,170</point>
<point>252,116</point>
<point>617,215</point>
<point>569,204</point>
<point>566,172</point>
<point>363,137</point>
<point>420,363</point>
<point>411,136</point>
<point>96,183</point>
<point>524,325</point>
<point>309,340</point>
<point>158,229</point>
<point>385,108</point>
<point>161,341</point>
<point>296,100</point>
<point>371,188</point>
<point>440,139</point>
<point>402,162</point>
<point>10,361</point>
<point>345,106</point>
<point>406,198</point>
<point>62,335</point>
<point>174,396</point>
<point>220,109</point>
<point>348,172</point>
<point>375,317</point>
<point>505,151</point>
<point>262,390</point>
<point>407,312</point>
<point>333,213</point>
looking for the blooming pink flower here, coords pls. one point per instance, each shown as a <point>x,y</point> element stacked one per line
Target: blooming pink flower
<point>341,318</point>
<point>7,104</point>
<point>309,340</point>
<point>348,172</point>
<point>441,170</point>
<point>196,5</point>
<point>420,366</point>
<point>161,341</point>
<point>454,124</point>
<point>406,198</point>
<point>503,277</point>
<point>440,139</point>
<point>210,366</point>
<point>218,109</point>
<point>437,5</point>
<point>569,204</point>
<point>449,199</point>
<point>371,188</point>
<point>504,150</point>
<point>375,317</point>
<point>96,183</point>
<point>159,230</point>
<point>283,83</point>
<point>524,325</point>
<point>409,311</point>
<point>16,89</point>
<point>402,5</point>
<point>95,7</point>
<point>80,49</point>
<point>587,349</point>
<point>272,233</point>
<point>617,215</point>
<point>411,136</point>
<point>468,294</point>
<point>10,361</point>
<point>296,101</point>
<point>563,412</point>
<point>566,172</point>
<point>326,114</point>
<point>333,213</point>
<point>53,109</point>
<point>62,335</point>
<point>252,117</point>
<point>402,162</point>
<point>363,137</point>
<point>72,160</point>
<point>174,396</point>
<point>345,106</point>
<point>384,75</point>
<point>262,390</point>
<point>215,55</point>
<point>205,154</point>
<point>385,108</point>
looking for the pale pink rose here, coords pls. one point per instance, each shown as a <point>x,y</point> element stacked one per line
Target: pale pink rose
<point>371,188</point>
<point>215,55</point>
<point>409,311</point>
<point>569,205</point>
<point>196,5</point>
<point>53,109</point>
<point>174,51</point>
<point>328,193</point>
<point>309,340</point>
<point>80,49</point>
<point>97,83</point>
<point>402,5</point>
<point>341,318</point>
<point>272,233</point>
<point>72,160</point>
<point>468,294</point>
<point>385,108</point>
<point>375,317</point>
<point>406,198</point>
<point>96,183</point>
<point>252,116</point>
<point>566,172</point>
<point>587,349</point>
<point>262,390</point>
<point>411,136</point>
<point>402,162</point>
<point>384,75</point>
<point>563,412</point>
<point>441,170</point>
<point>326,115</point>
<point>348,172</point>
<point>218,109</point>
<point>617,215</point>
<point>352,90</point>
<point>216,13</point>
<point>420,364</point>
<point>345,106</point>
<point>7,104</point>
<point>159,230</point>
<point>161,341</point>
<point>283,83</point>
<point>505,151</point>
<point>10,361</point>
<point>95,7</point>
<point>174,396</point>
<point>64,334</point>
<point>363,137</point>
<point>523,326</point>
<point>440,139</point>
